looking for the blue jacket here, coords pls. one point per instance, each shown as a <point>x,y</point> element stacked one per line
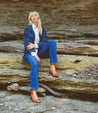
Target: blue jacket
<point>29,36</point>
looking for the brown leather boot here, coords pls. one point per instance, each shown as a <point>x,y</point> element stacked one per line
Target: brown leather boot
<point>53,71</point>
<point>34,96</point>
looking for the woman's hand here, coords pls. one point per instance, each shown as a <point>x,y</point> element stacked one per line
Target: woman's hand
<point>30,46</point>
<point>37,57</point>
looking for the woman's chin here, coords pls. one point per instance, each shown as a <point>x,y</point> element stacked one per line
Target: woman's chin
<point>35,21</point>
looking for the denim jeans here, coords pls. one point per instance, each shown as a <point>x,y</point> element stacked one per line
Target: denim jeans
<point>47,51</point>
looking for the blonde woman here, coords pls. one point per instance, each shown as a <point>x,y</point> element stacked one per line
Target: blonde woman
<point>37,46</point>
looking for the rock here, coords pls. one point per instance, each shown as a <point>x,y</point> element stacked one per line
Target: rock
<point>3,94</point>
<point>14,103</point>
<point>68,46</point>
<point>78,47</point>
<point>73,24</point>
<point>28,89</point>
<point>12,46</point>
<point>59,18</point>
<point>76,74</point>
<point>13,87</point>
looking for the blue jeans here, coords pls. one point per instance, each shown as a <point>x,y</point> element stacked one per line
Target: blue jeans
<point>47,51</point>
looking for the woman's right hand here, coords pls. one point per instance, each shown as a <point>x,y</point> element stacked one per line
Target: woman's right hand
<point>38,58</point>
<point>31,45</point>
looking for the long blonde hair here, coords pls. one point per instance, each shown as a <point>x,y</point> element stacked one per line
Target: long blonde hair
<point>39,21</point>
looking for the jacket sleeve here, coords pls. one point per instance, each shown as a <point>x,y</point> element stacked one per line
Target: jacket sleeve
<point>27,38</point>
<point>43,39</point>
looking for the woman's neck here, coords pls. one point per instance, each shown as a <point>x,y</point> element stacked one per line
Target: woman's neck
<point>36,24</point>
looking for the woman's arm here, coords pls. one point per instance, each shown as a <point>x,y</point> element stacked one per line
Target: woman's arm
<point>27,37</point>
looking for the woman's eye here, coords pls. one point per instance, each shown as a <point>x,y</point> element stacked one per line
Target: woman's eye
<point>34,16</point>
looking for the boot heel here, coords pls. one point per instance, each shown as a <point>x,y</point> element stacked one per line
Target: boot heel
<point>36,101</point>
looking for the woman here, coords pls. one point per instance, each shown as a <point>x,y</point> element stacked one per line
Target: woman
<point>37,46</point>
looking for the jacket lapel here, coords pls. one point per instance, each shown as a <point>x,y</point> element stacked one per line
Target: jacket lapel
<point>39,36</point>
<point>33,33</point>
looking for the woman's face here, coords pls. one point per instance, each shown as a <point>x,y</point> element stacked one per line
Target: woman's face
<point>34,18</point>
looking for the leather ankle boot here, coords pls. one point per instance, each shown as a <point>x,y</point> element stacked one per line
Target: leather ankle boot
<point>53,71</point>
<point>34,96</point>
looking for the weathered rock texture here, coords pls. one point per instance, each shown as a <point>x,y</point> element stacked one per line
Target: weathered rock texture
<point>70,17</point>
<point>68,46</point>
<point>74,26</point>
<point>14,103</point>
<point>77,73</point>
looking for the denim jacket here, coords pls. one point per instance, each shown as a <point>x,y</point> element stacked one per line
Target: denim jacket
<point>29,36</point>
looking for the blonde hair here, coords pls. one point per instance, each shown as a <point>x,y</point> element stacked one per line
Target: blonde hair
<point>39,21</point>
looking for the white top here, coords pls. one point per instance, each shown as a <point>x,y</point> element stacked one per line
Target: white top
<point>36,31</point>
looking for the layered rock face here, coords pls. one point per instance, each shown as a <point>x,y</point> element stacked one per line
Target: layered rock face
<point>78,73</point>
<point>60,18</point>
<point>72,24</point>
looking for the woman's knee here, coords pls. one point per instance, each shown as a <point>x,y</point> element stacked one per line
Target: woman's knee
<point>33,61</point>
<point>52,42</point>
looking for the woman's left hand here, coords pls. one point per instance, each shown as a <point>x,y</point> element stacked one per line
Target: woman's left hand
<point>38,58</point>
<point>30,46</point>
